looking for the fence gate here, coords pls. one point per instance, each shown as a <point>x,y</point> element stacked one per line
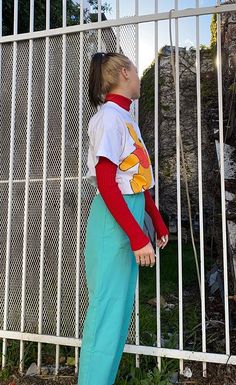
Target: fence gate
<point>44,198</point>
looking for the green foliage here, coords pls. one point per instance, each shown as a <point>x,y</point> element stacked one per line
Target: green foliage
<point>128,374</point>
<point>72,17</point>
<point>105,6</point>
<point>12,356</point>
<point>209,89</point>
<point>5,373</point>
<point>232,88</point>
<point>147,89</point>
<point>203,47</point>
<point>213,29</point>
<point>155,377</point>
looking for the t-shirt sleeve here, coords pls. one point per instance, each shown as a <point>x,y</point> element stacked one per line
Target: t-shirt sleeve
<point>107,140</point>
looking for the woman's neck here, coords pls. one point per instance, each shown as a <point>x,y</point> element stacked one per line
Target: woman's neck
<point>121,100</point>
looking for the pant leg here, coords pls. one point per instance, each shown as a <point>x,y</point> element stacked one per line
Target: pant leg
<point>110,267</point>
<point>130,301</point>
<point>138,211</point>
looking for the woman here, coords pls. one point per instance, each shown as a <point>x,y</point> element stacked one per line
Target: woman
<point>120,167</point>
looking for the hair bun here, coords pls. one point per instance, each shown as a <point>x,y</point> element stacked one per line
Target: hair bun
<point>98,56</point>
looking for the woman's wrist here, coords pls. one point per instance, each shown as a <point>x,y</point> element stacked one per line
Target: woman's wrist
<point>139,242</point>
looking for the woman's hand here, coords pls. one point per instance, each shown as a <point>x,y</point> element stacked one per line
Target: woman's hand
<point>163,241</point>
<point>145,255</point>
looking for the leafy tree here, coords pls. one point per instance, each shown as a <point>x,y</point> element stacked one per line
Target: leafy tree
<point>213,29</point>
<point>72,18</point>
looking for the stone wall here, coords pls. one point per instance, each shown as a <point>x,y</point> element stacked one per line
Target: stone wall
<point>167,182</point>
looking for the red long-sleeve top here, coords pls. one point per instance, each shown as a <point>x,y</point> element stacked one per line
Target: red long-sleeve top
<point>112,196</point>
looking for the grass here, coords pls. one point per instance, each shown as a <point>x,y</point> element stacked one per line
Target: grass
<point>168,286</point>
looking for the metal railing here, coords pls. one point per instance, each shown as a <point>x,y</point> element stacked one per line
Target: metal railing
<point>44,199</point>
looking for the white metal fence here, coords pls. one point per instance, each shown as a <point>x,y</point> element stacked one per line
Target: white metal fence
<point>44,199</point>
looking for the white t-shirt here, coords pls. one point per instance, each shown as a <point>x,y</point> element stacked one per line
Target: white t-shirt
<point>114,134</point>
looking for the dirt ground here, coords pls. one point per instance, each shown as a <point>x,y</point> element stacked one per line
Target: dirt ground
<point>216,375</point>
<point>39,380</point>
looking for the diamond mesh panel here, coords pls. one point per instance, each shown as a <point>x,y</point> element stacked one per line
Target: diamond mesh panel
<point>53,184</point>
<point>5,116</point>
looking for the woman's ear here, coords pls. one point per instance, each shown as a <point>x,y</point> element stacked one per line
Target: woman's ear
<point>124,72</point>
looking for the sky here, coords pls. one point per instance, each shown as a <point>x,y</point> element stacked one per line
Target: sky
<point>187,26</point>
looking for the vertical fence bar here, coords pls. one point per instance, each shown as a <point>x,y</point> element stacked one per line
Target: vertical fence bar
<point>222,181</point>
<point>9,212</point>
<point>117,28</point>
<point>178,133</point>
<point>136,42</point>
<point>1,68</point>
<point>81,99</point>
<point>61,220</point>
<point>203,306</point>
<point>0,80</point>
<point>156,153</point>
<point>27,175</point>
<point>136,117</point>
<point>1,63</point>
<point>99,43</point>
<point>99,29</point>
<point>0,37</point>
<point>40,319</point>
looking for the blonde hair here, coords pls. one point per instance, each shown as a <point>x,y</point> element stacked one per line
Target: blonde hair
<point>104,74</point>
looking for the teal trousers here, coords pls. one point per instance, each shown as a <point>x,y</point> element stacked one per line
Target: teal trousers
<point>111,275</point>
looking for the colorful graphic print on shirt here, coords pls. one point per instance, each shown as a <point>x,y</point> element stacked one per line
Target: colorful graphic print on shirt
<point>143,178</point>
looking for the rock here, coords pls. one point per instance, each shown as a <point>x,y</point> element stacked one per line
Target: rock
<point>32,370</point>
<point>153,301</point>
<point>187,372</point>
<point>174,378</point>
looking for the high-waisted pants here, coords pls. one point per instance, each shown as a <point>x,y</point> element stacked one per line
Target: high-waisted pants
<point>111,274</point>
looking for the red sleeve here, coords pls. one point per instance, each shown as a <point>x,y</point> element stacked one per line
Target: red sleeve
<point>157,220</point>
<point>112,196</point>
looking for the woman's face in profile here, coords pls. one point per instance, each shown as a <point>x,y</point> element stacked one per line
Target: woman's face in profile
<point>134,82</point>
